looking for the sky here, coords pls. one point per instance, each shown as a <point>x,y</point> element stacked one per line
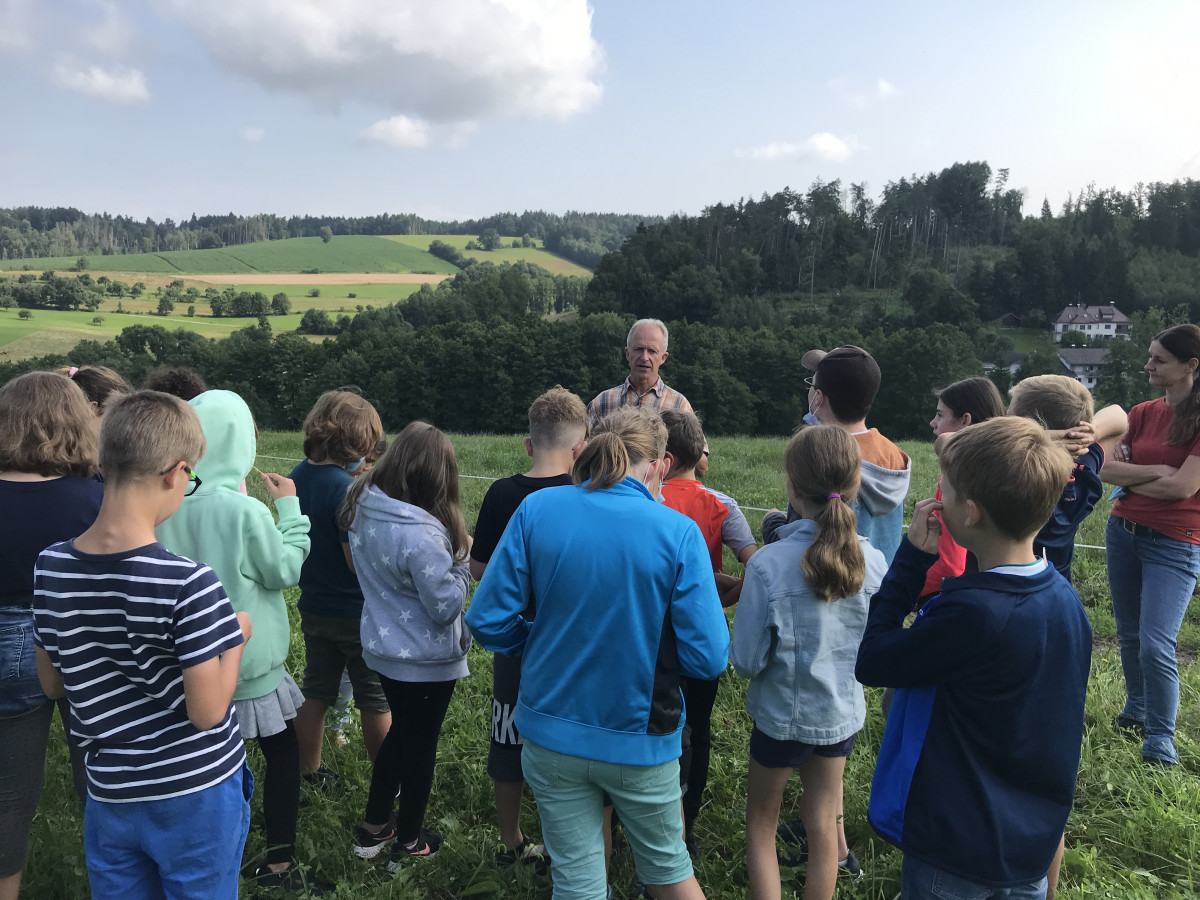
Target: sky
<point>457,109</point>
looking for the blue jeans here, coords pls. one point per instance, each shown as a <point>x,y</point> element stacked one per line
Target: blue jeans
<point>187,847</point>
<point>569,792</point>
<point>20,691</point>
<point>921,881</point>
<point>1151,579</point>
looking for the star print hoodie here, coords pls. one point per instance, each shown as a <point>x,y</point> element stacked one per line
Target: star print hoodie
<point>414,591</point>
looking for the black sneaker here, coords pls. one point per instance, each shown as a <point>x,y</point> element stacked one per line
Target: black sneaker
<point>527,852</point>
<point>792,833</point>
<point>427,845</point>
<point>290,880</point>
<point>322,780</point>
<point>367,845</point>
<point>1129,728</point>
<point>850,866</point>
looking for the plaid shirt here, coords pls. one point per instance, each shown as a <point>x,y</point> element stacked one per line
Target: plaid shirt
<point>657,399</point>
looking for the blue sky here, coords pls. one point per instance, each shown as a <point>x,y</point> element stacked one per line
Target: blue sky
<point>460,108</point>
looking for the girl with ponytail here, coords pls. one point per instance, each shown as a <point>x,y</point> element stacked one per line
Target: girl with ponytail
<point>626,605</point>
<point>1153,539</point>
<point>796,635</point>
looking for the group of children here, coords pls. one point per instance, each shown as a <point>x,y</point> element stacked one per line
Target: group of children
<point>157,610</point>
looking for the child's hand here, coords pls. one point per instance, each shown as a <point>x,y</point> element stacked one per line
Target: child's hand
<point>279,486</point>
<point>926,528</point>
<point>1075,440</point>
<point>244,623</point>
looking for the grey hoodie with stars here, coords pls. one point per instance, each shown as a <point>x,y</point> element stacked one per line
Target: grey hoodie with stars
<point>412,620</point>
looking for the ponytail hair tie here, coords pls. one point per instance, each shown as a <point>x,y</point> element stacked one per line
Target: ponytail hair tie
<point>834,497</point>
<point>71,373</point>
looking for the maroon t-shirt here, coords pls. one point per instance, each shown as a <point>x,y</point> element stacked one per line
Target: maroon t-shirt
<point>1146,438</point>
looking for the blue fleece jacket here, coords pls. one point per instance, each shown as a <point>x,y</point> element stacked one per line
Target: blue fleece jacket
<point>626,603</point>
<point>976,774</point>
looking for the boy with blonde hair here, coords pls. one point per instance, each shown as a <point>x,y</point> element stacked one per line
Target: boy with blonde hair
<point>976,774</point>
<point>146,647</point>
<point>1065,408</point>
<point>558,430</point>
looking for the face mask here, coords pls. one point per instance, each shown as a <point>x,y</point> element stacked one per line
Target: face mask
<point>358,465</point>
<point>810,419</point>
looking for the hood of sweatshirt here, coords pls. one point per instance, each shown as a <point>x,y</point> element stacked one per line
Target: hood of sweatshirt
<point>229,429</point>
<point>882,490</point>
<point>375,505</point>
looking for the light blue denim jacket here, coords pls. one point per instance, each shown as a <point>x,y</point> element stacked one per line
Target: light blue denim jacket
<point>798,650</point>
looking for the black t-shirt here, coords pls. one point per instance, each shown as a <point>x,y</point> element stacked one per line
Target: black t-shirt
<point>34,515</point>
<point>499,504</point>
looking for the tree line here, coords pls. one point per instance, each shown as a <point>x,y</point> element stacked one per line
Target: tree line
<point>29,232</point>
<point>470,356</point>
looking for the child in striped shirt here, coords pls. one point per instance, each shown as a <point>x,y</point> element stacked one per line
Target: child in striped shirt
<point>146,647</point>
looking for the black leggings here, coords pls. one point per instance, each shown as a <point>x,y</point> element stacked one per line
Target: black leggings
<point>407,756</point>
<point>281,792</point>
<point>700,696</point>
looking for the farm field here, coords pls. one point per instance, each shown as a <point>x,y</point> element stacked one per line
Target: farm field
<point>558,265</point>
<point>345,253</point>
<point>1133,833</point>
<point>58,331</point>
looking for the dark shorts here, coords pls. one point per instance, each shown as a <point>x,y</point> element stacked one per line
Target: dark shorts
<point>772,754</point>
<point>332,646</point>
<point>504,753</point>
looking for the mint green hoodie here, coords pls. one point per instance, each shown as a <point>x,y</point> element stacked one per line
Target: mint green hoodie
<point>236,535</point>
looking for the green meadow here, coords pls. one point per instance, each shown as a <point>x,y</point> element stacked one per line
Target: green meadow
<point>345,253</point>
<point>58,331</point>
<point>1134,833</point>
<point>553,263</point>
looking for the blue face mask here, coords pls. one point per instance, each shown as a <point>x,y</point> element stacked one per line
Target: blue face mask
<point>358,465</point>
<point>810,419</point>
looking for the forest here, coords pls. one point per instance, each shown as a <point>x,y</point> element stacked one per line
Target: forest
<point>917,277</point>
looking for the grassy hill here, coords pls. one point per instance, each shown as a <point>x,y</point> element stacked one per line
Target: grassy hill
<point>354,253</point>
<point>542,257</point>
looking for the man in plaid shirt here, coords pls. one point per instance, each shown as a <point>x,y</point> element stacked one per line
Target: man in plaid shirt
<point>645,351</point>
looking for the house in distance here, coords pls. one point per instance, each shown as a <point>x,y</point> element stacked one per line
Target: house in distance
<point>1093,321</point>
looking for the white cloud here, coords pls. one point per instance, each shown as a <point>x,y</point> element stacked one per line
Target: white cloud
<point>445,62</point>
<point>253,134</point>
<point>115,84</point>
<point>885,90</point>
<point>399,132</point>
<point>822,147</point>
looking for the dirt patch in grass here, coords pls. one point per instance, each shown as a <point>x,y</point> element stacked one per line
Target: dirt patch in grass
<point>330,278</point>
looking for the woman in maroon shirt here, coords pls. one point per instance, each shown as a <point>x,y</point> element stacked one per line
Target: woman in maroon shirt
<point>1153,539</point>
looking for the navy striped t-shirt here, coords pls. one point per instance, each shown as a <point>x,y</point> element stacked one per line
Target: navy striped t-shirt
<point>121,628</point>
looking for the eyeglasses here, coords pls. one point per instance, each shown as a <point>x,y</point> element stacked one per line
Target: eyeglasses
<point>193,480</point>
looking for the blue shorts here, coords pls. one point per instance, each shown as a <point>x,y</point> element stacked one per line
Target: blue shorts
<point>184,848</point>
<point>775,754</point>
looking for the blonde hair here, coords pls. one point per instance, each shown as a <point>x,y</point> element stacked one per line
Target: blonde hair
<point>1011,469</point>
<point>823,464</point>
<point>419,467</point>
<point>146,432</point>
<point>1058,402</point>
<point>623,439</point>
<point>558,420</point>
<point>98,383</point>
<point>47,426</point>
<point>342,427</point>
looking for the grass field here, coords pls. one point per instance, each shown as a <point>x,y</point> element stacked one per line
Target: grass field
<point>544,258</point>
<point>1135,831</point>
<point>354,253</point>
<point>58,331</point>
